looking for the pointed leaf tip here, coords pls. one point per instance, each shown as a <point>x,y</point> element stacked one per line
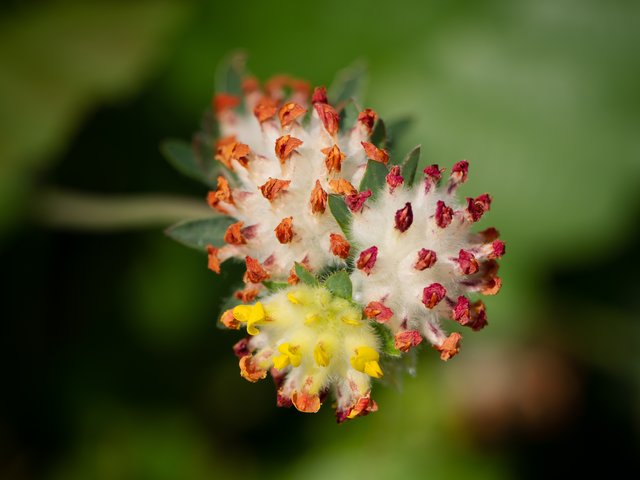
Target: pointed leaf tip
<point>349,83</point>
<point>409,165</point>
<point>374,177</point>
<point>340,212</point>
<point>181,157</point>
<point>230,72</point>
<point>379,134</point>
<point>305,275</point>
<point>274,286</point>
<point>388,342</point>
<point>396,130</point>
<point>339,284</point>
<point>201,232</point>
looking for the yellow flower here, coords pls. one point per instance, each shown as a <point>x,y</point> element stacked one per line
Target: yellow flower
<point>366,360</point>
<point>290,355</point>
<point>251,315</point>
<point>321,355</point>
<point>306,336</point>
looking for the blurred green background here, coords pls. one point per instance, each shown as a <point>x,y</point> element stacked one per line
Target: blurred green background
<point>112,367</point>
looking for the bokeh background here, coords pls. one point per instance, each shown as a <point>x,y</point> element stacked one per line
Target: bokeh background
<point>112,366</point>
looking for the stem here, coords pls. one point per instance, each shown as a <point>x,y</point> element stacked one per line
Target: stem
<point>94,212</point>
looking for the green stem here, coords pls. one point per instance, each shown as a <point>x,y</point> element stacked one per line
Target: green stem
<point>86,211</point>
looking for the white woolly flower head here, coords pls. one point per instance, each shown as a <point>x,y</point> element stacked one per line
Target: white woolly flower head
<point>350,259</point>
<point>285,156</point>
<point>417,258</point>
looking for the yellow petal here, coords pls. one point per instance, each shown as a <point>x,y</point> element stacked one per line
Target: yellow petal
<point>291,353</point>
<point>281,361</point>
<point>321,356</point>
<point>367,353</point>
<point>251,329</point>
<point>363,356</point>
<point>311,318</point>
<point>373,369</point>
<point>251,315</point>
<point>295,360</point>
<point>293,299</point>
<point>351,319</point>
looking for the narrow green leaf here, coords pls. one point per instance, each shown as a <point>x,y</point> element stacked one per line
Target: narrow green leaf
<point>395,131</point>
<point>194,160</point>
<point>388,342</point>
<point>229,74</point>
<point>374,177</point>
<point>209,124</point>
<point>203,147</point>
<point>274,286</point>
<point>349,115</point>
<point>200,233</point>
<point>348,83</point>
<point>181,156</point>
<point>305,275</point>
<point>409,166</point>
<point>379,134</point>
<point>340,212</point>
<point>339,284</point>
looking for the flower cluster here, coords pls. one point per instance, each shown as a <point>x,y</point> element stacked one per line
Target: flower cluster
<point>284,173</point>
<point>414,269</point>
<point>311,341</point>
<point>351,258</point>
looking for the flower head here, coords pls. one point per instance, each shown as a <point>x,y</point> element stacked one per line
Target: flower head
<point>313,342</point>
<point>427,258</point>
<point>352,259</point>
<point>284,156</point>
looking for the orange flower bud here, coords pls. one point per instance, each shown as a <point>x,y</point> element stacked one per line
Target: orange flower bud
<point>450,347</point>
<point>284,230</point>
<point>214,261</point>
<point>289,113</point>
<point>375,153</point>
<point>318,198</point>
<point>342,187</point>
<point>255,272</point>
<point>340,247</point>
<point>285,146</point>
<point>334,158</point>
<point>273,188</point>
<point>233,235</point>
<point>265,109</point>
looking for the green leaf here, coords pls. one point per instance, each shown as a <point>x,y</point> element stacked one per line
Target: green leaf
<point>396,129</point>
<point>340,212</point>
<point>388,341</point>
<point>203,148</point>
<point>305,275</point>
<point>274,286</point>
<point>379,134</point>
<point>348,83</point>
<point>229,74</point>
<point>339,284</point>
<point>209,125</point>
<point>182,157</point>
<point>374,177</point>
<point>200,233</point>
<point>349,115</point>
<point>409,165</point>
